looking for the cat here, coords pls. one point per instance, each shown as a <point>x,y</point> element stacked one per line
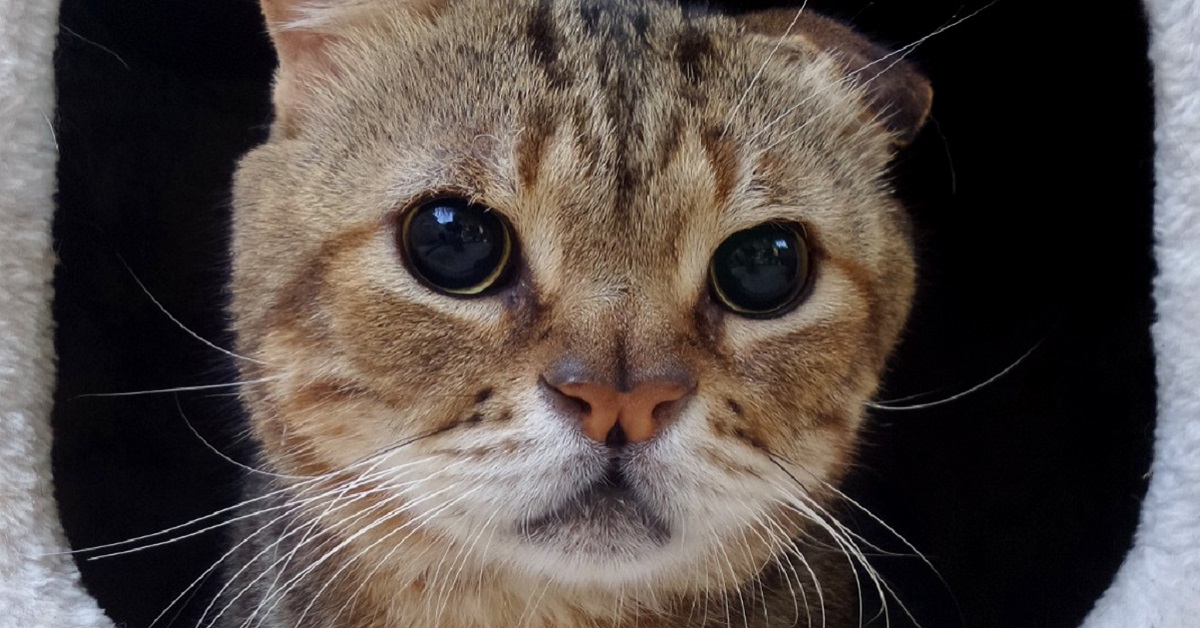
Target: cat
<point>563,313</point>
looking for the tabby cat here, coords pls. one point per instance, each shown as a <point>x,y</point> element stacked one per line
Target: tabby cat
<point>563,313</point>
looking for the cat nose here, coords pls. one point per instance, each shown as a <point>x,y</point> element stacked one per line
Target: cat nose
<point>612,417</point>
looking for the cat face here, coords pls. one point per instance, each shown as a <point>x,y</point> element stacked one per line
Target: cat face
<point>589,292</point>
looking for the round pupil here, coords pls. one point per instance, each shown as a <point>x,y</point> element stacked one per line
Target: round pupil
<point>760,270</point>
<point>457,246</point>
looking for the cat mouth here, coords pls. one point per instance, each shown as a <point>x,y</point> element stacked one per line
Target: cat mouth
<point>607,517</point>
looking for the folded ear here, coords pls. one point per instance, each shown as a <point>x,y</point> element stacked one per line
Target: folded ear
<point>897,95</point>
<point>302,33</point>
<point>306,31</point>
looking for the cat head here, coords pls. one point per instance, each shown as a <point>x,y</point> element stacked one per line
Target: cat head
<point>586,291</point>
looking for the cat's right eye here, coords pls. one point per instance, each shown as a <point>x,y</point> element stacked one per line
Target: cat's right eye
<point>761,272</point>
<point>456,246</point>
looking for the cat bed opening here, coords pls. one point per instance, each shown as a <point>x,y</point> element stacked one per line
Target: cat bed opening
<point>1032,196</point>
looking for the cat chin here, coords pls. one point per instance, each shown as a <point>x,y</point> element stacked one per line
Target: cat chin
<point>602,521</point>
<point>587,556</point>
<point>617,550</point>
<point>608,537</point>
<point>604,534</point>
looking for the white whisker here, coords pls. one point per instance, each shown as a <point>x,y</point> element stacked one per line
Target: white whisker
<point>757,75</point>
<point>180,324</point>
<point>846,539</point>
<point>464,554</point>
<point>295,580</point>
<point>956,396</point>
<point>213,567</point>
<point>178,389</point>
<point>311,524</point>
<point>850,77</point>
<point>226,458</point>
<point>307,482</point>
<point>181,526</point>
<point>415,525</point>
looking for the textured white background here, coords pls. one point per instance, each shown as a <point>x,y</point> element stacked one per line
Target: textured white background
<point>39,586</point>
<point>1158,587</point>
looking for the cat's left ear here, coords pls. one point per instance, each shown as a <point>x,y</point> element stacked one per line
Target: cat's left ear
<point>897,94</point>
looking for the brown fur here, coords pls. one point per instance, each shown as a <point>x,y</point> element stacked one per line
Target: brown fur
<point>623,141</point>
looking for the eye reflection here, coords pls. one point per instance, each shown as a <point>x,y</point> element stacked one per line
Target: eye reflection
<point>455,246</point>
<point>444,215</point>
<point>760,271</point>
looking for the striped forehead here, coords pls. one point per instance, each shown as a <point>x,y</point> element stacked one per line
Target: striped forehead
<point>625,89</point>
<point>617,215</point>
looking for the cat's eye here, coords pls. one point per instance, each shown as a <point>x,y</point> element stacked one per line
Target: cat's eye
<point>761,271</point>
<point>456,246</point>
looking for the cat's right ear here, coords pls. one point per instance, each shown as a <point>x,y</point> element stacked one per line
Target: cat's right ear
<point>302,41</point>
<point>306,34</point>
<point>304,31</point>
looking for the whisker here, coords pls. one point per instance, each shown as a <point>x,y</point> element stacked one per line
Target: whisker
<point>397,546</point>
<point>307,527</point>
<point>858,539</point>
<point>956,396</point>
<point>771,548</point>
<point>732,572</point>
<point>178,389</point>
<point>180,324</point>
<point>226,458</point>
<point>302,489</point>
<point>346,564</point>
<point>841,495</point>
<point>339,501</point>
<point>280,566</point>
<point>291,508</point>
<point>213,567</point>
<point>369,575</point>
<point>531,605</point>
<point>812,574</point>
<point>781,544</point>
<point>757,75</point>
<point>849,549</point>
<point>901,52</point>
<point>848,540</point>
<point>174,528</point>
<point>464,554</point>
<point>190,534</point>
<point>295,580</point>
<point>88,41</point>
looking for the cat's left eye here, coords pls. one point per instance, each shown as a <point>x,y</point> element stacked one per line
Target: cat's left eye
<point>762,271</point>
<point>456,246</point>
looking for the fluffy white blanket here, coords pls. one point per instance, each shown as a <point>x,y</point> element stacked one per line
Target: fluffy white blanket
<point>39,586</point>
<point>1159,585</point>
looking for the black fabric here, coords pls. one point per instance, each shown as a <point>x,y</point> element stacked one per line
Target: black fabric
<point>1031,192</point>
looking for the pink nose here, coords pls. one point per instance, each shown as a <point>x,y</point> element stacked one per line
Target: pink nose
<point>604,407</point>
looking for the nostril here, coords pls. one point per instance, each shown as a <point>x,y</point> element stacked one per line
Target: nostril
<point>570,404</point>
<point>616,437</point>
<point>580,405</point>
<point>617,418</point>
<point>596,407</point>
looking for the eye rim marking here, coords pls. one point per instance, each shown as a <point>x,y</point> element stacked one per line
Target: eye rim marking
<point>808,255</point>
<point>495,281</point>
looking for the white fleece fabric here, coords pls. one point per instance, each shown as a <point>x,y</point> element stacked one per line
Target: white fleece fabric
<point>39,586</point>
<point>1158,586</point>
